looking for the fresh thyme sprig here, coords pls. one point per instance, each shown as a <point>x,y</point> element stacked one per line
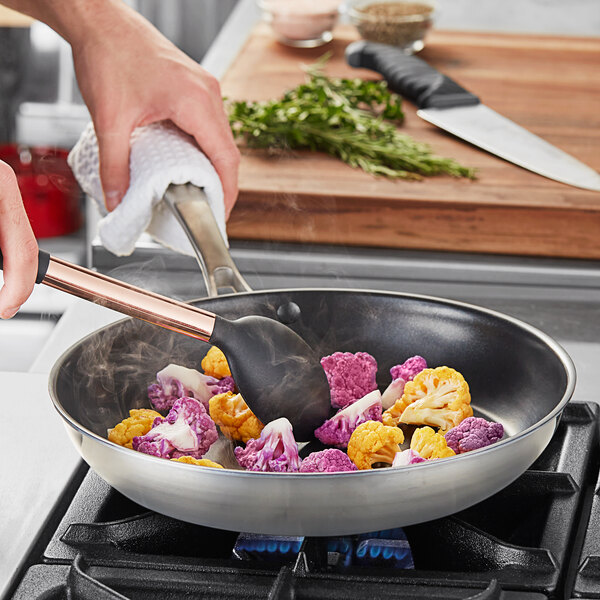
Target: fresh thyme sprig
<point>353,119</point>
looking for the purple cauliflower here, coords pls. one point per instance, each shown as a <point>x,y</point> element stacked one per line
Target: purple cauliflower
<point>407,457</point>
<point>350,376</point>
<point>187,430</point>
<point>327,461</point>
<point>175,381</point>
<point>473,433</point>
<point>337,430</point>
<point>222,386</point>
<point>275,449</point>
<point>392,393</point>
<point>409,368</point>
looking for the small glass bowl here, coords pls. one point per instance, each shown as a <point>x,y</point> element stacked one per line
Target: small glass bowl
<point>401,23</point>
<point>301,23</point>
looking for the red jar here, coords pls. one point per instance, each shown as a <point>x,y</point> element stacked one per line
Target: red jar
<point>50,192</point>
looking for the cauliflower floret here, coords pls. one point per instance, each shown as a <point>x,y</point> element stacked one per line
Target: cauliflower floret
<point>409,369</point>
<point>275,450</point>
<point>222,386</point>
<point>373,442</point>
<point>350,376</point>
<point>215,364</point>
<point>439,397</point>
<point>401,374</point>
<point>337,430</point>
<point>391,416</point>
<point>175,382</point>
<point>473,433</point>
<point>234,417</point>
<point>202,462</point>
<point>186,431</point>
<point>407,457</point>
<point>327,461</point>
<point>139,422</point>
<point>392,393</point>
<point>429,444</point>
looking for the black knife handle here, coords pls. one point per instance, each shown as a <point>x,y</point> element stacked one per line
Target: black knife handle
<point>43,262</point>
<point>409,76</point>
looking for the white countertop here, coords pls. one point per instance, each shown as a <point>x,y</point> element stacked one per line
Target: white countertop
<point>40,459</point>
<point>39,462</point>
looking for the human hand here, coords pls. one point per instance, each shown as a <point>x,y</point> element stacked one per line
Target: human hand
<point>130,75</point>
<point>18,244</point>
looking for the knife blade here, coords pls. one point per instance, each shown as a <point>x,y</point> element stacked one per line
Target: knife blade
<point>444,103</point>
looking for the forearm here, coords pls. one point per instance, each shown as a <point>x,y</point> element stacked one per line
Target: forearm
<point>76,20</point>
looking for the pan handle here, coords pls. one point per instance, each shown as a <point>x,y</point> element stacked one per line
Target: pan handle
<point>190,207</point>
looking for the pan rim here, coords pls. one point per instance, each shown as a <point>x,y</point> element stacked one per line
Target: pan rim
<point>559,351</point>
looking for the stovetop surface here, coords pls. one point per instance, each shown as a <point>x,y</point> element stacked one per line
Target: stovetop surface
<point>530,541</point>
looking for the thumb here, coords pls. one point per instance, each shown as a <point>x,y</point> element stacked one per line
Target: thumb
<point>113,151</point>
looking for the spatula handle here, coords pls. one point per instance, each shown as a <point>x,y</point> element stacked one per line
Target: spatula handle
<point>409,76</point>
<point>123,297</point>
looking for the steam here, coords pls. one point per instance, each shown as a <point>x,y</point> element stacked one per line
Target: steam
<point>54,167</point>
<point>156,275</point>
<point>110,373</point>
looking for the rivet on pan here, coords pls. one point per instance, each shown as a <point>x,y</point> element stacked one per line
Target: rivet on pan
<point>288,313</point>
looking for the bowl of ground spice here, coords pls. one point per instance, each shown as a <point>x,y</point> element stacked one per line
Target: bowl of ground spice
<point>399,23</point>
<point>301,23</point>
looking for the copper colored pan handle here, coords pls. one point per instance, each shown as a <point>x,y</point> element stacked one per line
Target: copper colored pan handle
<point>190,207</point>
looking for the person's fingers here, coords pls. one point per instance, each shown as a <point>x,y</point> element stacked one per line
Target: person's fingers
<point>113,150</point>
<point>18,244</point>
<point>222,153</point>
<point>210,129</point>
<point>231,160</point>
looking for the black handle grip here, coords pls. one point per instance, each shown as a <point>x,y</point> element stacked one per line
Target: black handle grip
<point>409,76</point>
<point>43,262</point>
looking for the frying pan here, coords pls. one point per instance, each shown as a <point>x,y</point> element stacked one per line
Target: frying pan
<point>517,375</point>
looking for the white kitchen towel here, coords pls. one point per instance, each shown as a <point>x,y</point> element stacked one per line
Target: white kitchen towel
<point>161,154</point>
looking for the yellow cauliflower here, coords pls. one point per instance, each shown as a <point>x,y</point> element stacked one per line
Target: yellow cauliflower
<point>430,444</point>
<point>139,422</point>
<point>373,442</point>
<point>232,415</point>
<point>203,462</point>
<point>438,397</point>
<point>391,416</point>
<point>215,364</point>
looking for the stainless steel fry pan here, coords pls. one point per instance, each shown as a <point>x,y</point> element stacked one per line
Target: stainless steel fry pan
<point>517,375</point>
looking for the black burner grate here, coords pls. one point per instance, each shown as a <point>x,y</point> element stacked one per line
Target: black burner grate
<point>521,543</point>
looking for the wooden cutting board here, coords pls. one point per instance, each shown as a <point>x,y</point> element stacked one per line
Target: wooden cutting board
<point>549,85</point>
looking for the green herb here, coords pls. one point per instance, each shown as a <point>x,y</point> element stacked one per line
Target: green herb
<point>347,118</point>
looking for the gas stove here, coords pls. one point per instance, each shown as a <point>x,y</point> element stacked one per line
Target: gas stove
<point>539,538</point>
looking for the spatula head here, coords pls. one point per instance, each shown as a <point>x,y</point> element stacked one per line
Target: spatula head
<point>276,371</point>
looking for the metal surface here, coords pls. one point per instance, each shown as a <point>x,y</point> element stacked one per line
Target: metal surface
<point>485,128</point>
<point>128,299</point>
<point>190,207</point>
<point>517,375</point>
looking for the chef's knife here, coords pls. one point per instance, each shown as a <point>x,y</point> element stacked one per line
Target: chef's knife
<point>444,103</point>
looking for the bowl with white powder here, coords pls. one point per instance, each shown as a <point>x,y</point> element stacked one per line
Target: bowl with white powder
<point>301,23</point>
